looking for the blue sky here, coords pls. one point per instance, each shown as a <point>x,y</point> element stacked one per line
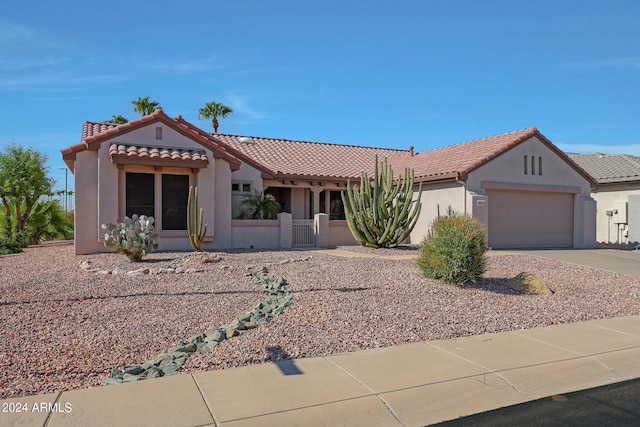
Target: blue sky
<point>385,73</point>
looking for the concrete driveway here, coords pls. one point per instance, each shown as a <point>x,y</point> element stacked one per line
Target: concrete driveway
<point>624,262</point>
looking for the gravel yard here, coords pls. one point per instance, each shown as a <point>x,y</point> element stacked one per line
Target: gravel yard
<point>65,322</point>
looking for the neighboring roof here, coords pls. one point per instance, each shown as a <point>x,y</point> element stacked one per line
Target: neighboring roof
<point>609,168</point>
<point>284,158</point>
<point>457,161</point>
<point>94,133</point>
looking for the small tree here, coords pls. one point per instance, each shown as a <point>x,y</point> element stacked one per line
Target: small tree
<point>379,213</point>
<point>23,179</point>
<point>213,110</point>
<point>259,206</point>
<point>144,106</point>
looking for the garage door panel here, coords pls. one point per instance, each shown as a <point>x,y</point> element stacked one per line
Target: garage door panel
<point>526,219</point>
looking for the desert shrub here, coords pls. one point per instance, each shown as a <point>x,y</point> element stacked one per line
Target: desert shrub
<point>133,237</point>
<point>453,250</point>
<point>11,245</point>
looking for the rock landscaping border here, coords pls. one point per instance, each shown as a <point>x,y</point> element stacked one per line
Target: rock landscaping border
<point>168,363</point>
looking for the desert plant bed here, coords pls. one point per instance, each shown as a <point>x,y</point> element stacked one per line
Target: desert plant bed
<point>68,320</point>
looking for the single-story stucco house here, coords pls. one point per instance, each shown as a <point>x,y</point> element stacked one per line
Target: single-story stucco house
<point>525,190</point>
<point>617,194</point>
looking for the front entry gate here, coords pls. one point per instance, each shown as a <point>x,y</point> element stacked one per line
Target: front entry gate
<point>303,232</point>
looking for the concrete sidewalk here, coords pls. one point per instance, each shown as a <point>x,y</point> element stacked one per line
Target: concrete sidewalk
<point>414,384</point>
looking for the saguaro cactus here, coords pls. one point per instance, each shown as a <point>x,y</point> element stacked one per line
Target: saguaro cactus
<point>194,221</point>
<point>381,214</point>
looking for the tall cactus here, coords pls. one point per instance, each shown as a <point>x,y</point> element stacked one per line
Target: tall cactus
<point>195,220</point>
<point>381,214</point>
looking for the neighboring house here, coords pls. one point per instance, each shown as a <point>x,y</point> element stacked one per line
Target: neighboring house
<point>524,190</point>
<point>617,194</point>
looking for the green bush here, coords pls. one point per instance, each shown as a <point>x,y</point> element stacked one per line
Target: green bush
<point>133,237</point>
<point>9,245</point>
<point>454,249</point>
<point>13,244</point>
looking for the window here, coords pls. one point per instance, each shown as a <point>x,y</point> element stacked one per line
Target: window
<point>241,187</point>
<point>140,197</point>
<point>323,202</point>
<point>175,193</point>
<point>525,165</point>
<point>336,208</point>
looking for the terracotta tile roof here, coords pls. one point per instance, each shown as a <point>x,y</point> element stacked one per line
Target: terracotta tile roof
<point>290,159</point>
<point>93,134</point>
<point>457,161</point>
<point>94,128</point>
<point>609,168</point>
<point>153,153</point>
<point>284,158</point>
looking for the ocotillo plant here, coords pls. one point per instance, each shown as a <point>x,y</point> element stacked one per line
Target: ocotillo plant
<point>194,220</point>
<point>381,214</point>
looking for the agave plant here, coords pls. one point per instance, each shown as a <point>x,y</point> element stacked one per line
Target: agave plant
<point>133,237</point>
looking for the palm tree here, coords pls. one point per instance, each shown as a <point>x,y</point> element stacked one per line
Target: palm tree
<point>144,106</point>
<point>259,206</point>
<point>118,120</point>
<point>213,110</point>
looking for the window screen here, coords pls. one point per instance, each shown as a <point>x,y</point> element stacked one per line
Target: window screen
<point>336,208</point>
<point>140,194</point>
<point>175,192</point>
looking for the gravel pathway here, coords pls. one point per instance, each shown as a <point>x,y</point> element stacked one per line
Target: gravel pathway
<point>66,323</point>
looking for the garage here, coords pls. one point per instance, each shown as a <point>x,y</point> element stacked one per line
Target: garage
<point>530,219</point>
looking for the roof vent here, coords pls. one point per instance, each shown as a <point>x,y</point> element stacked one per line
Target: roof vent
<point>246,140</point>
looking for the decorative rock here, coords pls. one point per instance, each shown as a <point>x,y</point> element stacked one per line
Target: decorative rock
<point>209,259</point>
<point>238,325</point>
<point>137,272</point>
<point>215,335</point>
<point>184,348</point>
<point>529,284</point>
<point>128,378</point>
<point>197,338</point>
<point>116,374</point>
<point>279,297</point>
<point>153,372</point>
<point>132,369</point>
<point>170,368</point>
<point>250,325</point>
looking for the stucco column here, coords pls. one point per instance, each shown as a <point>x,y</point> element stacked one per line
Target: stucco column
<point>321,227</point>
<point>286,225</point>
<point>316,198</point>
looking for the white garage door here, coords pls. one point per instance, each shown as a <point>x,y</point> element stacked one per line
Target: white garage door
<point>530,219</point>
